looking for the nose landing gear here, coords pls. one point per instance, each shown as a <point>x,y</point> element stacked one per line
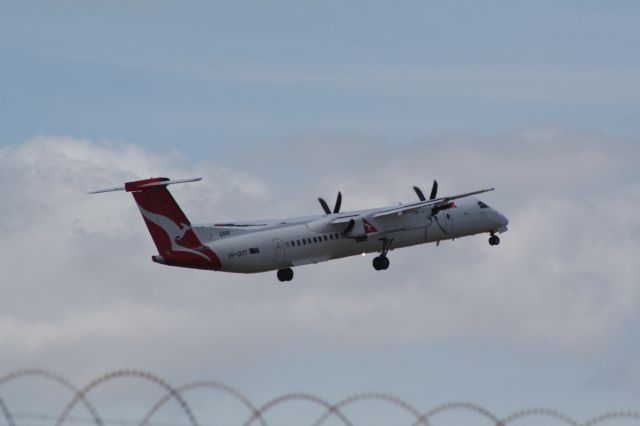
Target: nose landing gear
<point>494,240</point>
<point>285,274</point>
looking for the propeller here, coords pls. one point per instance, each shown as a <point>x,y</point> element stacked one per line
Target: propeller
<point>349,227</point>
<point>434,192</point>
<point>324,205</point>
<point>336,208</point>
<point>419,193</point>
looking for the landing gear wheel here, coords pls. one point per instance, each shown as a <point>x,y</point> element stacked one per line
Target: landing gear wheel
<point>380,263</point>
<point>494,240</point>
<point>376,263</point>
<point>285,274</point>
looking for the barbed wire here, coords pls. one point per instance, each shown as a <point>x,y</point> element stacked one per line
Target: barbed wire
<point>257,413</point>
<point>128,374</point>
<point>205,384</point>
<point>331,409</point>
<point>43,417</point>
<point>6,413</point>
<point>375,396</point>
<point>56,378</point>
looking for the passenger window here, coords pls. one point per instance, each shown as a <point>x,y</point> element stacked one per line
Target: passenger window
<point>309,240</point>
<point>337,236</point>
<point>293,243</point>
<point>299,243</point>
<point>331,236</point>
<point>325,238</point>
<point>315,240</point>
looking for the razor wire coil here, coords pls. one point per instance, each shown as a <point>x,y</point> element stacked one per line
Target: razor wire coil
<point>257,413</point>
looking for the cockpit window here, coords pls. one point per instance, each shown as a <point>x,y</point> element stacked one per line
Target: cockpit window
<point>482,205</point>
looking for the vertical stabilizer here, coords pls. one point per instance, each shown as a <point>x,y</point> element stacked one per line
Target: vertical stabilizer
<point>169,227</point>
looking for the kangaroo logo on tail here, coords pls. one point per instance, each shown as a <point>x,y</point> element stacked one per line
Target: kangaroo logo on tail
<point>151,196</point>
<point>174,231</point>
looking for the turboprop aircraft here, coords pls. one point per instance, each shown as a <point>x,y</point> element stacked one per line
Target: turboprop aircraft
<point>279,245</point>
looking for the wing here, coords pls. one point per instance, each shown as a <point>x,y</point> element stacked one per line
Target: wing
<point>344,219</point>
<point>433,204</point>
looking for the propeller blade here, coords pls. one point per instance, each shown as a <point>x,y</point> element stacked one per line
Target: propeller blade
<point>349,227</point>
<point>434,190</point>
<point>419,193</point>
<point>324,205</point>
<point>336,208</point>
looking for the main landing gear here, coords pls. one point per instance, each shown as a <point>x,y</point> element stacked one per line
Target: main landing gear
<point>285,274</point>
<point>381,263</point>
<point>494,240</point>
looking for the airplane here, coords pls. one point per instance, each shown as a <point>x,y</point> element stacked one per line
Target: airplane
<point>280,245</point>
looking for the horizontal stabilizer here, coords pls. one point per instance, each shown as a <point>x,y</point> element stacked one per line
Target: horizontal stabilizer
<point>140,185</point>
<point>169,182</point>
<point>98,191</point>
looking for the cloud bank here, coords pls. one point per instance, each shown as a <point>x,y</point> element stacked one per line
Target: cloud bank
<point>77,275</point>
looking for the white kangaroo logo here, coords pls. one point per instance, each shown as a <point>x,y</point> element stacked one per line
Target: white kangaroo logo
<point>173,230</point>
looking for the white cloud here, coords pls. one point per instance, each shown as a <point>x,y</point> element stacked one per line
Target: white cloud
<point>77,270</point>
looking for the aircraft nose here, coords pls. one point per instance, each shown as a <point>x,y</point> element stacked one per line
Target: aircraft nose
<point>502,219</point>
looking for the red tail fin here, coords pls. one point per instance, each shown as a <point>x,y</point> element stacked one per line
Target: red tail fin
<point>170,229</point>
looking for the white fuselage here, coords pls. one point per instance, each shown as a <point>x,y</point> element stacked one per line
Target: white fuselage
<point>273,245</point>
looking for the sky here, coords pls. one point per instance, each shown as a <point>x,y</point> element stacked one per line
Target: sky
<point>274,104</point>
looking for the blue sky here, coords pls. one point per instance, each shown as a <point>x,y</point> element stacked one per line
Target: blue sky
<point>277,103</point>
<point>206,77</point>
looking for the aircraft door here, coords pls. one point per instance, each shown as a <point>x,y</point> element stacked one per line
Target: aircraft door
<point>278,248</point>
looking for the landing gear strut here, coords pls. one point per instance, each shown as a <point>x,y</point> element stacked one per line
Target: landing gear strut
<point>494,240</point>
<point>285,274</point>
<point>381,263</point>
